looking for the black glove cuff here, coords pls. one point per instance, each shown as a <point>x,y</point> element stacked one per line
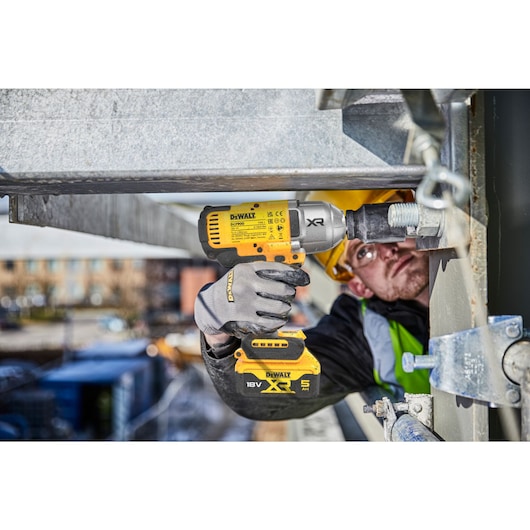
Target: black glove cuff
<point>223,350</point>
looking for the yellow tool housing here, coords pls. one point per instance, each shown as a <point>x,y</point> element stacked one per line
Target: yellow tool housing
<point>249,232</point>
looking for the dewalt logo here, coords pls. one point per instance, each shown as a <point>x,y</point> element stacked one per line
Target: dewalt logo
<point>229,284</point>
<point>237,216</point>
<point>278,374</point>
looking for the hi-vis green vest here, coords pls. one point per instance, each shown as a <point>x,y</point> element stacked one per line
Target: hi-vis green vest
<point>388,341</point>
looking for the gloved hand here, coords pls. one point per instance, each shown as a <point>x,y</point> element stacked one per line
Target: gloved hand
<point>252,298</point>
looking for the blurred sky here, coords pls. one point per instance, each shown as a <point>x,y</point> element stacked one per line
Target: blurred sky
<point>4,203</point>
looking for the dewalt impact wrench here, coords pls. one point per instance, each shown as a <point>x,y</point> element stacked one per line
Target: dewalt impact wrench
<point>283,231</point>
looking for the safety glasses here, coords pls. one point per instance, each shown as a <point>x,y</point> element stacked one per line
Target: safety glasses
<point>362,255</point>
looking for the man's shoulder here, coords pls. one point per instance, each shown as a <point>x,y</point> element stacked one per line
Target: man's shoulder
<point>347,300</point>
<point>391,309</point>
<point>345,313</point>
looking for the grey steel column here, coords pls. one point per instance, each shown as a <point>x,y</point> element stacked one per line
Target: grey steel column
<point>508,192</point>
<point>507,156</point>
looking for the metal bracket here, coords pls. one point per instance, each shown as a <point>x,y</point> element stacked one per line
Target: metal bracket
<point>478,362</point>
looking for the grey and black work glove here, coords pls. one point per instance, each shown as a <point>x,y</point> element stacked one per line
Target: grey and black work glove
<point>252,298</point>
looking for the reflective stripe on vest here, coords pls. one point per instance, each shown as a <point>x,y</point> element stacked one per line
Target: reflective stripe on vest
<point>388,340</point>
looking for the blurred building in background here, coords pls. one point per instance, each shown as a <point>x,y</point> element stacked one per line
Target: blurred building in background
<point>52,268</point>
<point>70,281</point>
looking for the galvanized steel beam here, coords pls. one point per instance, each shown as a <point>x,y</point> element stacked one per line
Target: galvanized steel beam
<point>132,141</point>
<point>210,180</point>
<point>126,217</point>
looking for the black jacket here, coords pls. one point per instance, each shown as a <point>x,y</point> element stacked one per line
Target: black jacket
<point>339,344</point>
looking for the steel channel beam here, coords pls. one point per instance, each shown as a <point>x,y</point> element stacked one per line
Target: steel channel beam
<point>121,216</point>
<point>458,281</point>
<point>132,141</point>
<point>210,180</point>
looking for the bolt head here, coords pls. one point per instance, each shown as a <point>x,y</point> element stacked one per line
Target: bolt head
<point>417,408</point>
<point>513,331</point>
<point>407,361</point>
<point>513,396</point>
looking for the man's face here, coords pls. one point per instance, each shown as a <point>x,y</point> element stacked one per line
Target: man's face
<point>395,271</point>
